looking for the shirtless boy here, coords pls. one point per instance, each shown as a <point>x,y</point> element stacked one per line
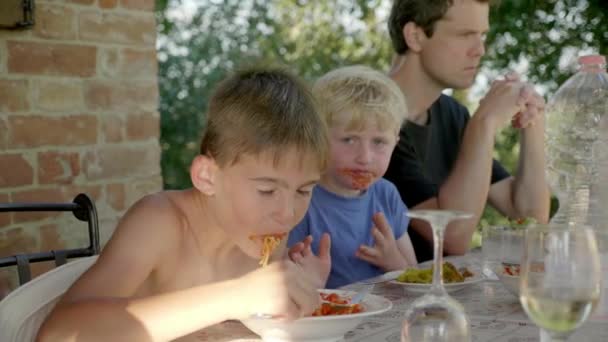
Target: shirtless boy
<point>180,261</point>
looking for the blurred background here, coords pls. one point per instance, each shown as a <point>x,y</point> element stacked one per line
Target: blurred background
<point>199,41</point>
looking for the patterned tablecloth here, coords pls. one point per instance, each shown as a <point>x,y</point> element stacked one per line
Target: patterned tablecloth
<point>495,315</point>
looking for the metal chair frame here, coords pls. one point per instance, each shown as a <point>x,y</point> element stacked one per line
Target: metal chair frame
<point>83,209</point>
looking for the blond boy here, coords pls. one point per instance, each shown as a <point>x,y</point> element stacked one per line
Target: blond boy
<point>183,260</point>
<point>361,211</point>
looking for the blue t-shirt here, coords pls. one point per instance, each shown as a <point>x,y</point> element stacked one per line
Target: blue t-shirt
<point>349,221</point>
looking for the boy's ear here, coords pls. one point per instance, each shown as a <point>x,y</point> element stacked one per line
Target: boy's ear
<point>414,36</point>
<point>202,173</point>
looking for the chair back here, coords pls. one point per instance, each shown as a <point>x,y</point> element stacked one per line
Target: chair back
<point>83,209</point>
<point>23,310</point>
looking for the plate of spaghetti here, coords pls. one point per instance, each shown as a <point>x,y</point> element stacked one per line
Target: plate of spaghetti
<point>328,323</point>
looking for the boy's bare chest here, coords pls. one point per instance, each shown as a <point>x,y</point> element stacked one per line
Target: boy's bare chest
<point>192,268</point>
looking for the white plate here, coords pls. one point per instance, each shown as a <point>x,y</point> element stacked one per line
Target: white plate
<point>451,287</point>
<point>320,328</point>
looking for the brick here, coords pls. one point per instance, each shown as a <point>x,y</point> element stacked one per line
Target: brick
<point>14,95</point>
<point>116,196</point>
<point>113,128</point>
<point>120,96</point>
<point>51,59</point>
<point>55,22</point>
<point>17,240</point>
<point>120,161</point>
<point>16,171</point>
<point>122,28</point>
<point>108,3</point>
<point>50,238</point>
<point>37,130</point>
<point>58,96</point>
<point>54,195</point>
<point>3,134</point>
<point>5,218</point>
<point>143,126</point>
<point>58,167</point>
<point>39,268</point>
<point>138,64</point>
<point>146,5</point>
<point>82,2</point>
<point>142,186</point>
<point>2,56</point>
<point>108,62</point>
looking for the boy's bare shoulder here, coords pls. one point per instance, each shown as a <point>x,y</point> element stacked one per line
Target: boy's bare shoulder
<point>154,212</point>
<point>155,220</point>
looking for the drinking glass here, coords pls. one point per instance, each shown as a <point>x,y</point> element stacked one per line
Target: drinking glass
<point>560,278</point>
<point>436,316</point>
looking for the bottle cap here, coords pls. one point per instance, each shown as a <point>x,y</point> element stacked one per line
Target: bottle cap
<point>592,59</point>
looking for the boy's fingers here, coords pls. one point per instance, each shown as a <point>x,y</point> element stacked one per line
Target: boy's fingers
<point>297,248</point>
<point>382,224</point>
<point>325,246</point>
<point>378,236</point>
<point>296,257</point>
<point>307,241</point>
<point>369,251</point>
<point>307,251</point>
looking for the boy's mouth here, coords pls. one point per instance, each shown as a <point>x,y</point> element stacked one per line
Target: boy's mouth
<point>360,179</point>
<point>269,243</point>
<point>279,236</point>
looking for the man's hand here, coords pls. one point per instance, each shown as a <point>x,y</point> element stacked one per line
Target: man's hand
<point>503,101</point>
<point>301,253</point>
<point>534,105</point>
<point>385,253</point>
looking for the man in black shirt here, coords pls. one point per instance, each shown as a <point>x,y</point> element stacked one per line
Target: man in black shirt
<point>444,157</point>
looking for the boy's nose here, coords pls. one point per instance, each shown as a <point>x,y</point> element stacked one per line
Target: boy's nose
<point>364,155</point>
<point>286,211</point>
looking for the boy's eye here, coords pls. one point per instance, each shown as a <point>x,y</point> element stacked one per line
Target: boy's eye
<point>348,140</point>
<point>380,142</point>
<point>266,192</point>
<point>304,192</point>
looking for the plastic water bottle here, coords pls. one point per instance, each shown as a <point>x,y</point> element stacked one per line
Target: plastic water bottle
<point>576,136</point>
<point>576,139</point>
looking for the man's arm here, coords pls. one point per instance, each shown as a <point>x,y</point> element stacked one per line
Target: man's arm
<point>526,194</point>
<point>466,188</point>
<point>468,185</point>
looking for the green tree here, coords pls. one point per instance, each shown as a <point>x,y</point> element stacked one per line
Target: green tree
<point>314,36</point>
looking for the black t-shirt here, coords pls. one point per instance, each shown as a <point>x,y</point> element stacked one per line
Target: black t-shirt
<point>424,157</point>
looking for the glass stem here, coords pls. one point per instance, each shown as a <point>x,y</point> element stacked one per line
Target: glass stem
<point>546,336</point>
<point>438,231</point>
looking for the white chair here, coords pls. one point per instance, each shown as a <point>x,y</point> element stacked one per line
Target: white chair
<point>23,310</point>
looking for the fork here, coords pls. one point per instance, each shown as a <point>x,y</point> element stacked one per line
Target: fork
<point>355,299</point>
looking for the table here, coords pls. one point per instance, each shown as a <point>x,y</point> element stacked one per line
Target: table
<point>495,315</point>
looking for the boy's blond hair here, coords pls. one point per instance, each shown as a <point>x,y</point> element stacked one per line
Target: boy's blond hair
<point>362,93</point>
<point>263,110</point>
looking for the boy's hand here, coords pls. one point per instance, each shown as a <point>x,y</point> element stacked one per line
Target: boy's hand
<point>281,289</point>
<point>385,253</point>
<point>301,253</point>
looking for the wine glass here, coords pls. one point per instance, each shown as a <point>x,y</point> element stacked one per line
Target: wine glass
<point>436,316</point>
<point>560,278</point>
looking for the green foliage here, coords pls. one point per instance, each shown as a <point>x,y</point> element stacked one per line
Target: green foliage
<point>315,36</point>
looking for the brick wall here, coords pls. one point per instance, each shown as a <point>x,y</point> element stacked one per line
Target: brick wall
<point>78,113</point>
